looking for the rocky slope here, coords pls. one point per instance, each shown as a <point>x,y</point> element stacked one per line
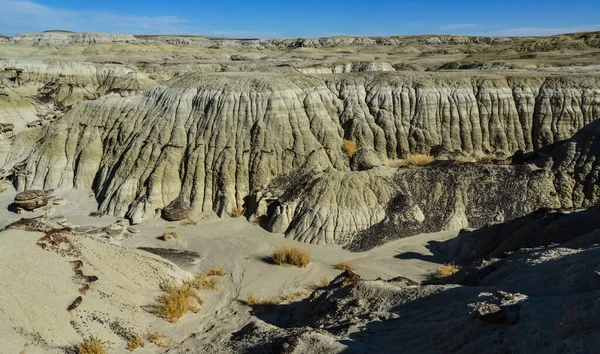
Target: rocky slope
<point>539,301</point>
<point>218,141</point>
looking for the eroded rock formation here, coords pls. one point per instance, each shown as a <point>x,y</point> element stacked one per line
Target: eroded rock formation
<point>217,141</point>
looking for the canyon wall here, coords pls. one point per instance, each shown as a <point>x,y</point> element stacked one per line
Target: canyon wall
<point>218,141</point>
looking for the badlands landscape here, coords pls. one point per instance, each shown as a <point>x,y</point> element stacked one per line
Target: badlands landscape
<point>405,194</point>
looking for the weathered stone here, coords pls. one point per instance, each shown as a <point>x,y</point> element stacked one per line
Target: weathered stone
<point>6,127</point>
<point>490,313</point>
<point>177,210</point>
<point>31,199</point>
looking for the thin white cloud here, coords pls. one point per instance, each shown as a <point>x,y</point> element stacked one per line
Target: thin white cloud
<point>456,26</point>
<point>541,31</point>
<point>19,16</point>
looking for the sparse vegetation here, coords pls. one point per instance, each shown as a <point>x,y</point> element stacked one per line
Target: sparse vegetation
<point>158,339</point>
<point>323,283</point>
<point>350,148</point>
<point>216,271</point>
<point>207,280</point>
<point>463,159</point>
<point>237,212</point>
<point>203,282</point>
<point>290,297</point>
<point>398,163</point>
<point>345,266</point>
<point>91,346</point>
<point>166,236</point>
<point>177,301</point>
<point>420,159</point>
<point>256,301</point>
<point>446,270</point>
<point>134,343</point>
<point>291,255</point>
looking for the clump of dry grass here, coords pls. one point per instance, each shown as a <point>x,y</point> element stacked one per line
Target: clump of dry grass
<point>237,212</point>
<point>134,343</point>
<point>158,339</point>
<point>189,222</point>
<point>323,283</point>
<point>177,301</point>
<point>345,266</point>
<point>294,296</point>
<point>463,159</point>
<point>398,163</point>
<point>291,255</point>
<point>256,301</point>
<point>203,282</point>
<point>166,236</point>
<point>350,148</point>
<point>216,271</point>
<point>420,159</point>
<point>91,346</point>
<point>446,270</point>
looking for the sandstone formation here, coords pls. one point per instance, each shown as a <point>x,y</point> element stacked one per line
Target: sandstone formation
<point>217,141</point>
<point>31,199</point>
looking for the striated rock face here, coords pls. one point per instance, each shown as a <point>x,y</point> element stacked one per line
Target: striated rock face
<point>217,141</point>
<point>576,165</point>
<point>384,204</point>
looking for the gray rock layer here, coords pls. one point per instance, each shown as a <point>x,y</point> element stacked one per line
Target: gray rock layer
<point>216,140</point>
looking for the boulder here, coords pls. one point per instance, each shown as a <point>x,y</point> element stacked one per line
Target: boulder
<point>31,199</point>
<point>6,127</point>
<point>177,210</point>
<point>490,313</point>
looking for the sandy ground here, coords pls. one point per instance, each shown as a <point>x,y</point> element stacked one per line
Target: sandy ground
<point>235,244</point>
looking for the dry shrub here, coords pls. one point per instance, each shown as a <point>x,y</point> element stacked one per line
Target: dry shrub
<point>216,271</point>
<point>398,163</point>
<point>291,255</point>
<point>166,236</point>
<point>203,282</point>
<point>345,266</point>
<point>134,343</point>
<point>323,283</point>
<point>178,301</point>
<point>189,222</point>
<point>91,346</point>
<point>463,159</point>
<point>256,301</point>
<point>237,212</point>
<point>420,159</point>
<point>294,296</point>
<point>350,148</point>
<point>158,339</point>
<point>446,270</point>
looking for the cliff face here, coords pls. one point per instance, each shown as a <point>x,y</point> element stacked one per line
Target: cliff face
<point>216,140</point>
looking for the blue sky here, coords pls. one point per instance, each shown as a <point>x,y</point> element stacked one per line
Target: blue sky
<point>306,18</point>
